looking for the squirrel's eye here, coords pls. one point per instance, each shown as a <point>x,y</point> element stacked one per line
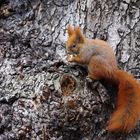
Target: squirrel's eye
<point>74,46</point>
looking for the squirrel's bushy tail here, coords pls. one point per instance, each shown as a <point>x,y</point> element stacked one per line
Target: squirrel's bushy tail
<point>127,111</point>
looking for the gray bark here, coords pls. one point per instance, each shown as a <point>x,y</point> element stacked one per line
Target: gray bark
<point>42,96</point>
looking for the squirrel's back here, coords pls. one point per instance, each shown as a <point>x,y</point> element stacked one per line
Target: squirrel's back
<point>103,49</point>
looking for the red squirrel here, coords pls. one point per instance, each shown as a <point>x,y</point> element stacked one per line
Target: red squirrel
<point>101,62</point>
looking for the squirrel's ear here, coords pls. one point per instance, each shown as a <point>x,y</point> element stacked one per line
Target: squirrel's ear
<point>70,30</point>
<point>79,35</point>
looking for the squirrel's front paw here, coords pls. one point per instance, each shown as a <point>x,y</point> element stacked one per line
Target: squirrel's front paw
<point>88,79</point>
<point>70,58</point>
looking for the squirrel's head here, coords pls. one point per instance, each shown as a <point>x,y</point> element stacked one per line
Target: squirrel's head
<point>75,40</point>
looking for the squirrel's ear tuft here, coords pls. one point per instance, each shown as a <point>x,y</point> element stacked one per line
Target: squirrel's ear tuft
<point>70,30</point>
<point>79,35</point>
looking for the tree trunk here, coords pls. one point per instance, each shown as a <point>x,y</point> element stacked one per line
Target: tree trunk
<point>42,96</point>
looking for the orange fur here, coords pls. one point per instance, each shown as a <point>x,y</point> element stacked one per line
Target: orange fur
<point>127,111</point>
<point>99,57</point>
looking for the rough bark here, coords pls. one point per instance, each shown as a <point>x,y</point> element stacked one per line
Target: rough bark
<point>42,96</point>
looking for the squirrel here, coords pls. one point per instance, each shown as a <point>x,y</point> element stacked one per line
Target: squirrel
<point>100,60</point>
